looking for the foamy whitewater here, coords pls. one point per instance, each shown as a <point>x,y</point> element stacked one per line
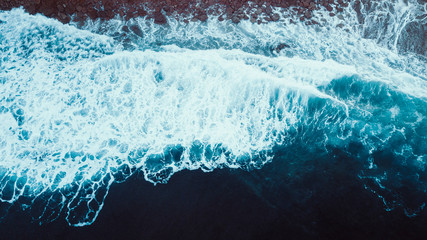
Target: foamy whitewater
<point>85,106</point>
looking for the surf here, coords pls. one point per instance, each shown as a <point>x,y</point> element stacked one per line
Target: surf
<point>86,106</point>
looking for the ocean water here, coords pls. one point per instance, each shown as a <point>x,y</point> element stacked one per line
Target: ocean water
<point>87,105</point>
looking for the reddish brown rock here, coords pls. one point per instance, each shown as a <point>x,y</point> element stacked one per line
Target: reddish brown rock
<point>203,17</point>
<point>268,10</point>
<point>235,19</point>
<point>159,18</point>
<point>275,17</point>
<point>198,9</point>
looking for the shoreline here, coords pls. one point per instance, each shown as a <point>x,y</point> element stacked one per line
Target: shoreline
<point>257,11</point>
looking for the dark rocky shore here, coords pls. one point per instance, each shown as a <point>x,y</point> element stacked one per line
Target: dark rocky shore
<point>190,10</point>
